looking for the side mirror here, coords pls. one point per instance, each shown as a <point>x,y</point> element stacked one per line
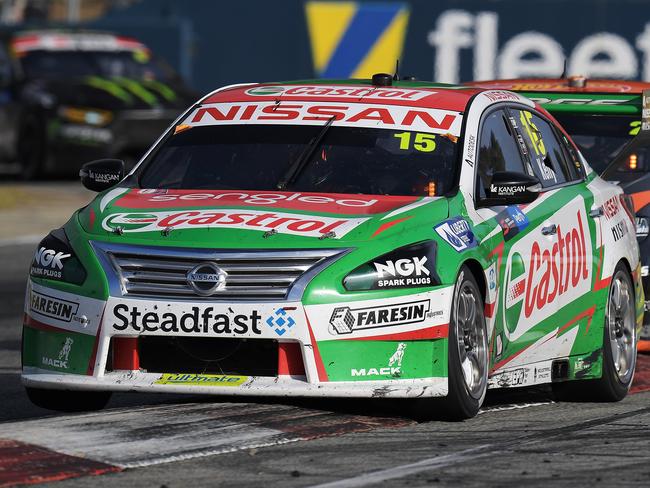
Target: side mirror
<point>102,174</point>
<point>511,188</point>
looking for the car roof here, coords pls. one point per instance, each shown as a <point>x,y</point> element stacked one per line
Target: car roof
<point>407,93</point>
<point>595,96</point>
<point>563,85</point>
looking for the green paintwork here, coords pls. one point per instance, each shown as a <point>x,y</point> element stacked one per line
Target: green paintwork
<point>629,104</point>
<point>351,360</point>
<point>42,349</point>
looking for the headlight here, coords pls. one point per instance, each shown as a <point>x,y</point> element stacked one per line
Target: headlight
<point>407,267</point>
<point>642,227</point>
<point>85,116</point>
<point>55,260</point>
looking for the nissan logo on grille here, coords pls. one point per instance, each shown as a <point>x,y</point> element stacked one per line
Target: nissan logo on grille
<point>206,278</point>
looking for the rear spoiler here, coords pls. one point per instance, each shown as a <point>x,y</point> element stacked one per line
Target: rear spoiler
<point>642,139</point>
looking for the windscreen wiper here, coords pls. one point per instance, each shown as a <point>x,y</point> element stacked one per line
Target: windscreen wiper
<point>298,165</point>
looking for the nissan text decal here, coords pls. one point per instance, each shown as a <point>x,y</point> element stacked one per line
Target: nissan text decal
<point>345,115</point>
<point>279,222</point>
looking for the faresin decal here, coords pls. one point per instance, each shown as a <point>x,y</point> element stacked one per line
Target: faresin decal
<point>313,113</point>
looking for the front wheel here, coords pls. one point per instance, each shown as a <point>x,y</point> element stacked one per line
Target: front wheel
<point>467,355</point>
<point>68,401</point>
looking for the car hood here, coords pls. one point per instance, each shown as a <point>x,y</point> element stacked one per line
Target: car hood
<point>111,93</point>
<point>255,219</point>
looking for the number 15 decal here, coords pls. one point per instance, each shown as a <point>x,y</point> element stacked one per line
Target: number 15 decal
<point>422,142</point>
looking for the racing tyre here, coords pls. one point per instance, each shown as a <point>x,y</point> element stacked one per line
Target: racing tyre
<point>68,401</point>
<point>619,347</point>
<point>31,149</point>
<point>467,356</point>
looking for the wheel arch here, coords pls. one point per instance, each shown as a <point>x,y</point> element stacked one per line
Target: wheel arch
<point>477,270</point>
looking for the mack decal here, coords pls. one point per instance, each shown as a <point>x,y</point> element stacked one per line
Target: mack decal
<point>345,320</point>
<point>393,368</point>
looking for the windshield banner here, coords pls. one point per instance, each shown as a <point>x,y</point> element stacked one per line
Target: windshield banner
<point>345,115</point>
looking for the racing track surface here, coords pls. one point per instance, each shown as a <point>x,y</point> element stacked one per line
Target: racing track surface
<point>175,441</point>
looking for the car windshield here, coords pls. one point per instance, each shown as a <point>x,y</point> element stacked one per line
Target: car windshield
<point>347,160</point>
<point>65,64</point>
<point>600,137</point>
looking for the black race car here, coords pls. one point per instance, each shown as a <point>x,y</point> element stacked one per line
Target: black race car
<point>70,97</point>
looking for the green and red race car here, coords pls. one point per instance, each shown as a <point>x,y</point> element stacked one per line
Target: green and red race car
<point>604,119</point>
<point>355,238</point>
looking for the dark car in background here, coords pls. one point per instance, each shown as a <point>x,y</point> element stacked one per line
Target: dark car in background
<point>608,121</point>
<point>67,97</point>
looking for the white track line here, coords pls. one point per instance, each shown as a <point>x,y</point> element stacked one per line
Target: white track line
<point>513,406</point>
<point>168,433</point>
<point>409,469</point>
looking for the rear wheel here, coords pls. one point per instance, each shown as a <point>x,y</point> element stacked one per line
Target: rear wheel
<point>68,401</point>
<point>619,347</point>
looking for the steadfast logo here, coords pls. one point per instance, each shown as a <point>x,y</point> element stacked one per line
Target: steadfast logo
<point>282,223</point>
<point>52,307</point>
<point>345,115</point>
<point>345,320</point>
<point>196,321</point>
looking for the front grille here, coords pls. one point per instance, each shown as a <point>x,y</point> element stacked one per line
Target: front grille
<point>206,355</point>
<point>250,275</point>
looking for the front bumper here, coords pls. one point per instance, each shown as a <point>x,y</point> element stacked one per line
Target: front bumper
<point>74,351</point>
<point>254,386</point>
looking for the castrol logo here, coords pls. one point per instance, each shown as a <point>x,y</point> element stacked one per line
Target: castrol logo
<point>545,273</point>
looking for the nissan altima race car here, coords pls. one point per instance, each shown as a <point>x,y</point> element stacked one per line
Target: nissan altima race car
<point>71,96</point>
<point>604,119</point>
<point>356,238</point>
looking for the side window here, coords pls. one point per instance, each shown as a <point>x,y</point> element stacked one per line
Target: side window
<point>546,154</point>
<point>497,150</point>
<point>574,166</point>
